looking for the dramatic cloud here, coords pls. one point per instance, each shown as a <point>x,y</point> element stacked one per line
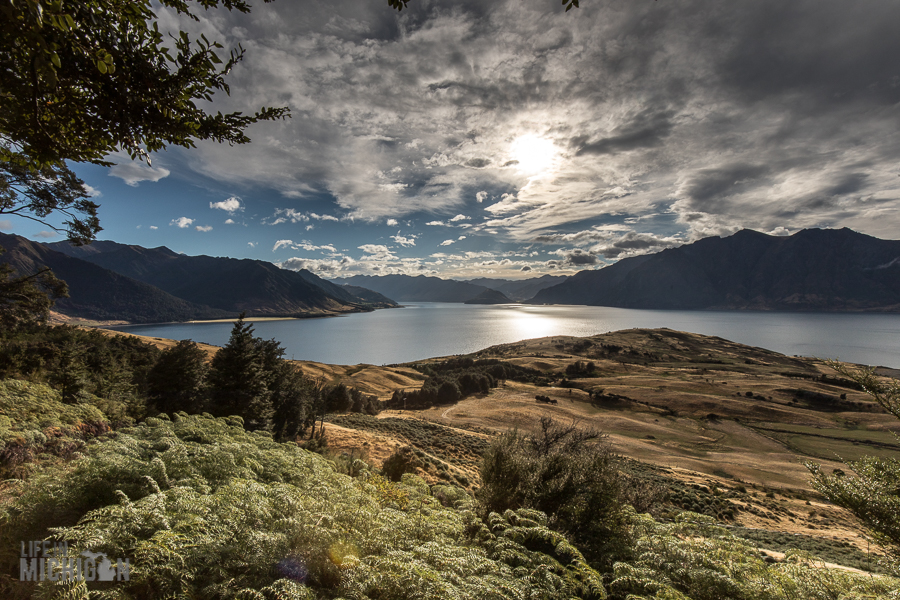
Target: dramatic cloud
<point>617,129</point>
<point>231,205</point>
<point>632,244</point>
<point>181,222</point>
<point>328,267</point>
<point>579,258</point>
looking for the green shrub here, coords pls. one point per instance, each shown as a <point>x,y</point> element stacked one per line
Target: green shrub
<point>567,473</point>
<point>205,509</point>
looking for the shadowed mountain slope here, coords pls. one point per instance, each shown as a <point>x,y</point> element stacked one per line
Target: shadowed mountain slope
<point>416,289</point>
<point>98,293</point>
<point>520,290</point>
<point>257,287</point>
<point>814,269</point>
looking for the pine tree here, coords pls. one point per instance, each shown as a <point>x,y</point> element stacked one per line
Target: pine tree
<point>238,379</point>
<point>177,382</point>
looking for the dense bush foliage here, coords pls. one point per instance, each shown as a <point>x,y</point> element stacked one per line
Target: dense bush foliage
<point>36,427</point>
<point>205,509</point>
<point>692,558</point>
<point>80,363</point>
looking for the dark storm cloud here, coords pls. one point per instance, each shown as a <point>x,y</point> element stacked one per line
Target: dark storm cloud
<point>478,163</point>
<point>579,258</point>
<point>707,187</point>
<point>632,244</point>
<point>829,53</point>
<point>645,131</point>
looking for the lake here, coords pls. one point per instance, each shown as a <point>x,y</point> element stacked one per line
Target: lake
<point>428,329</point>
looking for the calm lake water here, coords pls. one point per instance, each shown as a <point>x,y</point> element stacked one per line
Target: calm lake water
<point>428,329</point>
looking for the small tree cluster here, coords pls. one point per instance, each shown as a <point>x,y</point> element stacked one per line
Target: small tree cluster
<point>455,379</point>
<point>581,368</point>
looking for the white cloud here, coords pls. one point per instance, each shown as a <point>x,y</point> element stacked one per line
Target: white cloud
<point>436,223</point>
<point>459,218</point>
<point>374,249</point>
<point>303,245</point>
<point>203,228</point>
<point>229,221</point>
<point>132,173</point>
<point>447,242</point>
<point>406,242</point>
<point>283,215</point>
<point>462,237</point>
<point>481,196</point>
<point>231,205</point>
<point>323,217</point>
<point>252,244</point>
<point>6,226</point>
<point>329,267</point>
<point>45,234</point>
<point>154,227</point>
<point>391,222</point>
<point>92,191</point>
<point>181,222</point>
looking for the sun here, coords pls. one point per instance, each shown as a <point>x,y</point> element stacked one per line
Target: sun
<point>533,153</point>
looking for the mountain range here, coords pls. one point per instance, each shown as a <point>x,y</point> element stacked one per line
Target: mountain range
<point>108,280</point>
<point>812,270</point>
<point>422,288</point>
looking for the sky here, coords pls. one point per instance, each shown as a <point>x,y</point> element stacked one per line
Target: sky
<point>508,138</point>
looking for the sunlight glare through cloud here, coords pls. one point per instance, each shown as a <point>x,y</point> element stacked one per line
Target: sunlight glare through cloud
<point>534,153</point>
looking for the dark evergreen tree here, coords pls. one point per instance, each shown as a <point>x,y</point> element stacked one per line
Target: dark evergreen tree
<point>238,379</point>
<point>177,382</point>
<point>294,399</point>
<point>70,375</point>
<point>338,399</point>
